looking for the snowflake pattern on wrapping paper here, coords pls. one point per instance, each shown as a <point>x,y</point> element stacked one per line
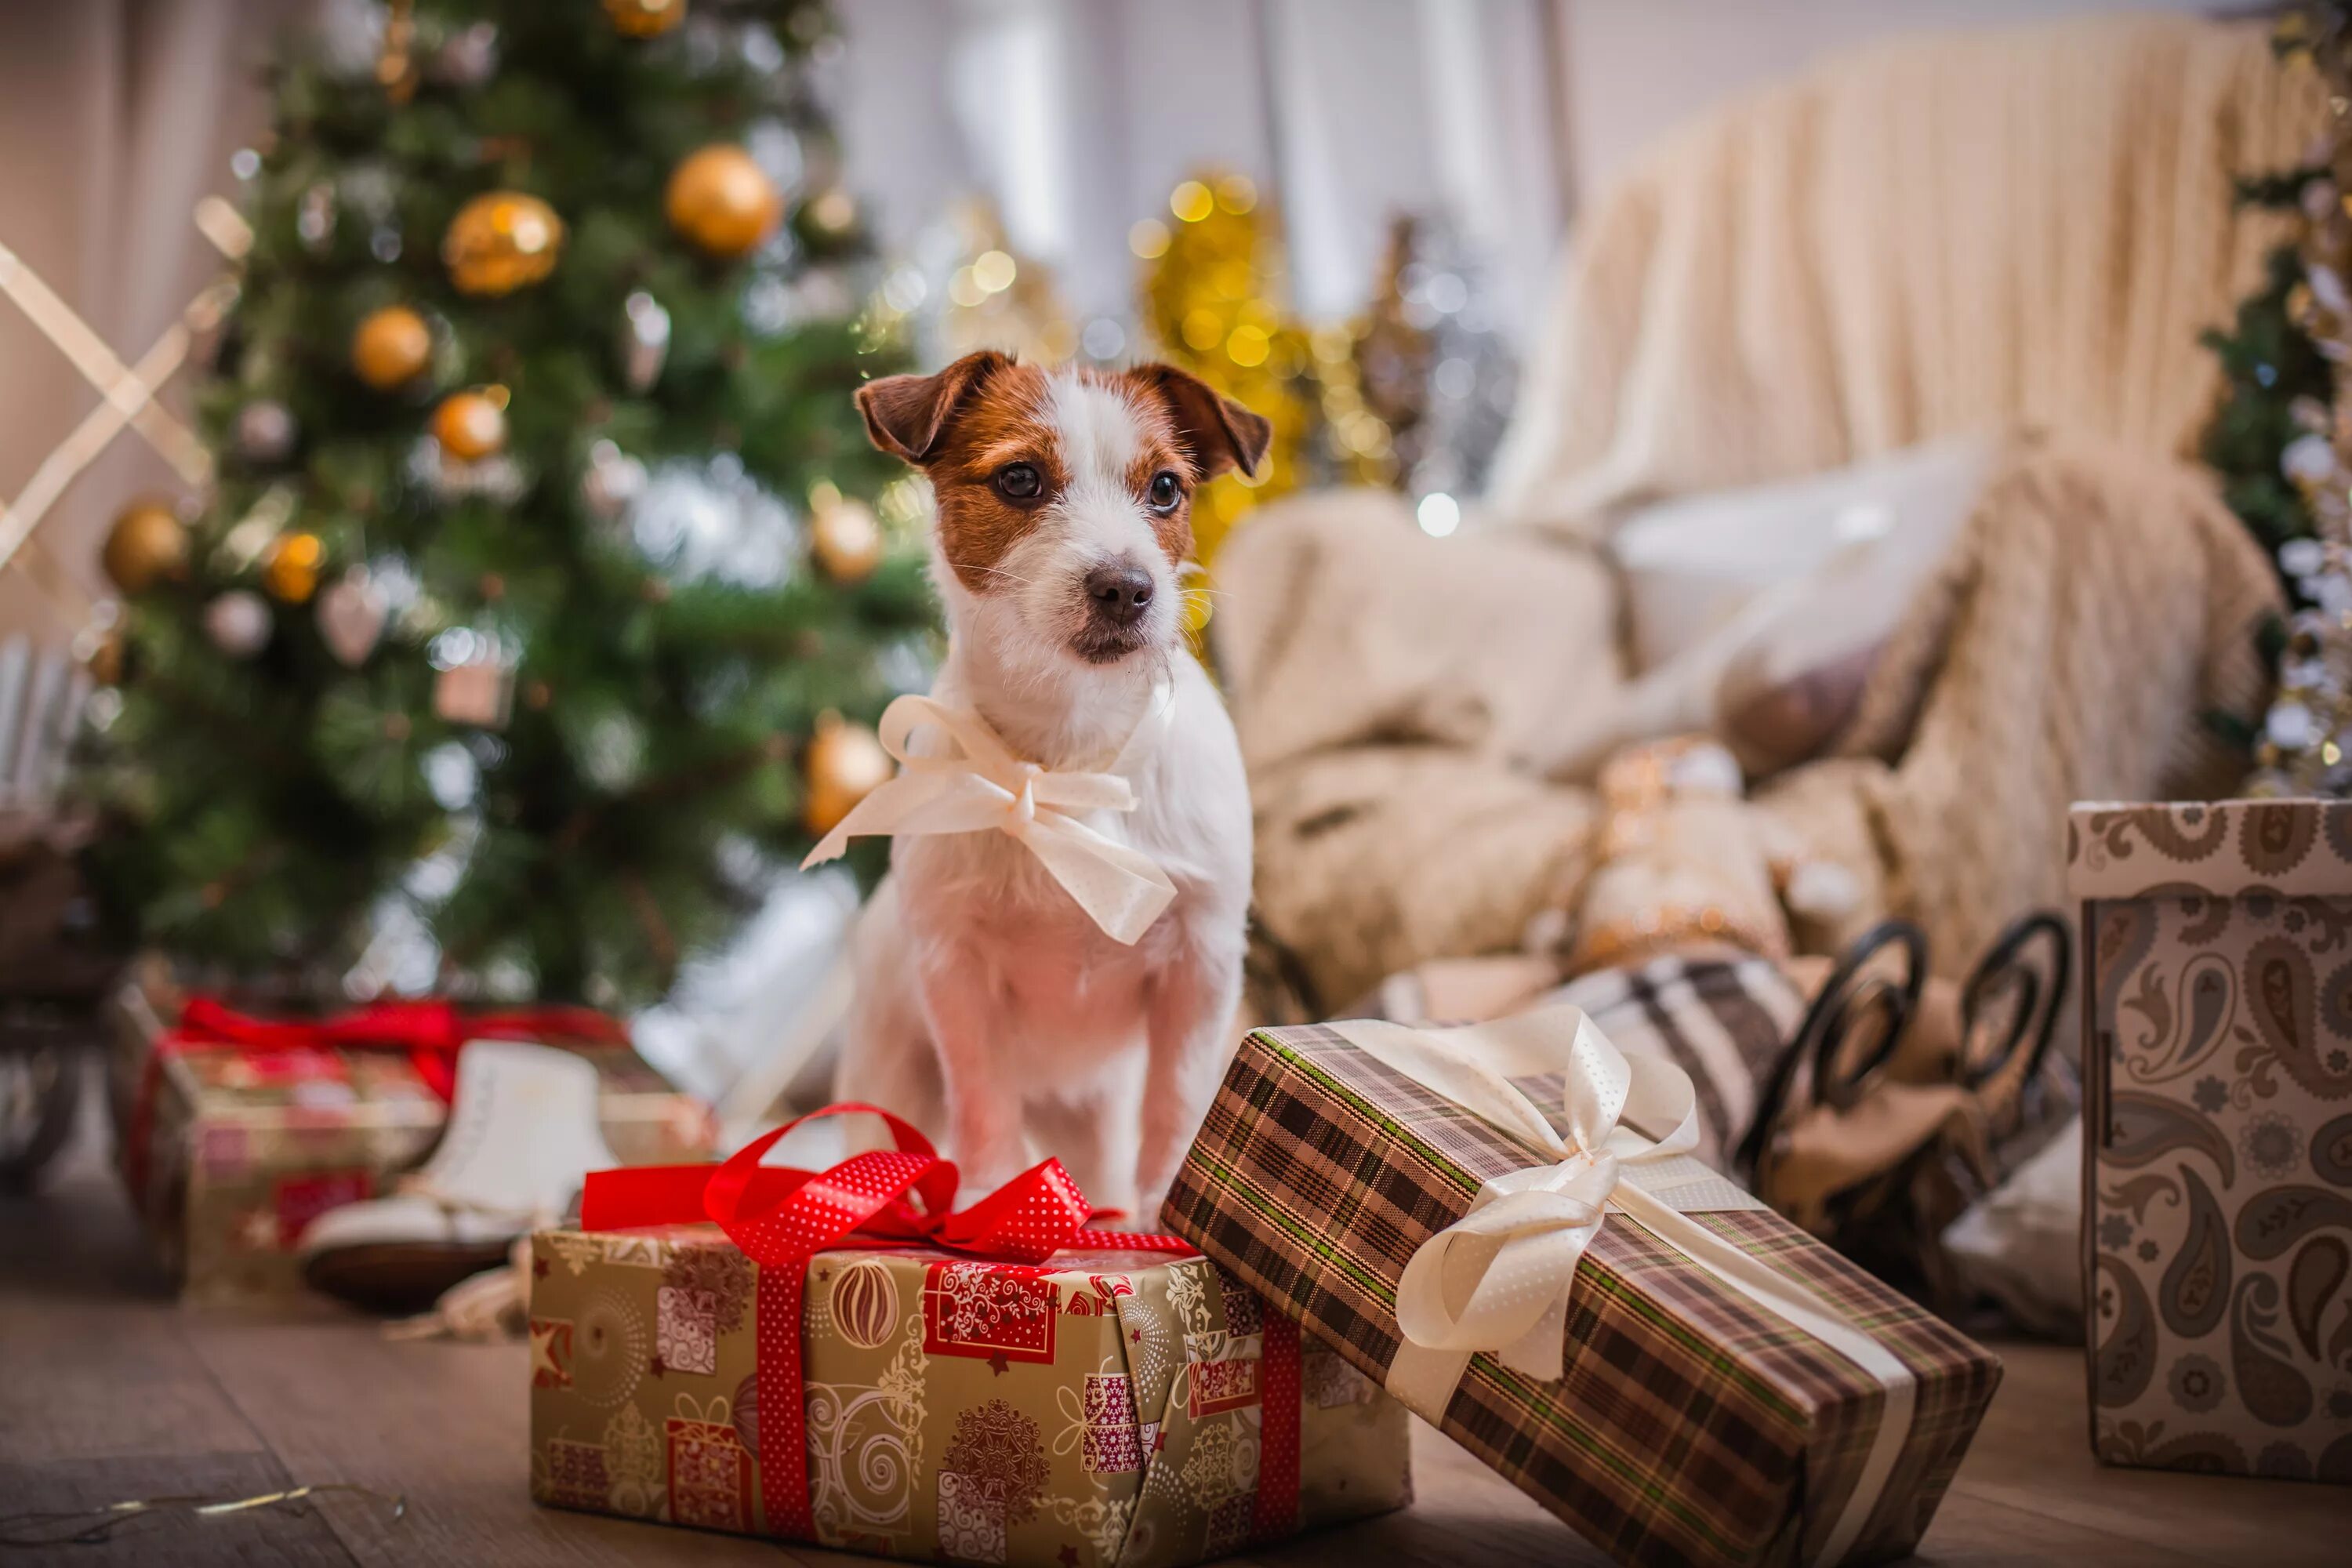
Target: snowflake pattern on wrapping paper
<point>685,1329</point>
<point>999,1446</point>
<point>721,1270</point>
<point>983,1309</point>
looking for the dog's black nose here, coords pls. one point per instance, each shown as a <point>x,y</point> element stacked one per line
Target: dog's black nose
<point>1118,595</point>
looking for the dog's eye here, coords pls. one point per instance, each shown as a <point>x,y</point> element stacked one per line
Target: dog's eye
<point>1019,482</point>
<point>1166,491</point>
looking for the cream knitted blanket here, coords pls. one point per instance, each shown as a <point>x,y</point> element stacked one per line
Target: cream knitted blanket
<point>1931,236</point>
<point>1994,231</point>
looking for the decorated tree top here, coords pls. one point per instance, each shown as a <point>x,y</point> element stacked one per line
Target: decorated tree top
<point>542,590</point>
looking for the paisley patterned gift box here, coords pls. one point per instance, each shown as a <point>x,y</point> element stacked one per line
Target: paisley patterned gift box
<point>1105,1408</point>
<point>2218,1167</point>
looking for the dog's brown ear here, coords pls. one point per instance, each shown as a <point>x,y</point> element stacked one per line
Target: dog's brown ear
<point>1217,433</point>
<point>907,415</point>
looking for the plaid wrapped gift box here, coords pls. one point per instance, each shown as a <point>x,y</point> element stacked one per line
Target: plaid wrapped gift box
<point>1691,1426</point>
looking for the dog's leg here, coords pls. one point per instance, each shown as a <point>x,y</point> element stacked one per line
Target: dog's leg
<point>984,1107</point>
<point>1187,1020</point>
<point>1091,1128</point>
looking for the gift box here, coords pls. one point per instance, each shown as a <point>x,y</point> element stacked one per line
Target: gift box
<point>1011,1389</point>
<point>1503,1225</point>
<point>235,1132</point>
<point>2217,1024</point>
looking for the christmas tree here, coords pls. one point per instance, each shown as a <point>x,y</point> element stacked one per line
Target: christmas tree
<point>2282,440</point>
<point>542,594</point>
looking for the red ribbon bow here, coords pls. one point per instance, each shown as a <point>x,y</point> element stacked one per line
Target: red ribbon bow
<point>431,1032</point>
<point>782,1217</point>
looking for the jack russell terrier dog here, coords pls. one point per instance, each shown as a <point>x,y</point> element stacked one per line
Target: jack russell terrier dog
<point>1054,963</point>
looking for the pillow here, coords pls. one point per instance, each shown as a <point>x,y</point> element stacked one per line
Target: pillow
<point>1757,614</point>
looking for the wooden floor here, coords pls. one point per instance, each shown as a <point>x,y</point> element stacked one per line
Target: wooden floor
<point>108,1392</point>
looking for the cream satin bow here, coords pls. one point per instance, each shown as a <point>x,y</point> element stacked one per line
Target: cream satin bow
<point>984,786</point>
<point>1497,1279</point>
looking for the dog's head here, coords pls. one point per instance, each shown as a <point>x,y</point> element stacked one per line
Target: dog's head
<point>1064,497</point>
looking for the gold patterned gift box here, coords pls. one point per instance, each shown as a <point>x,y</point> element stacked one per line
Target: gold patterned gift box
<point>1107,1407</point>
<point>230,1149</point>
<point>2217,1001</point>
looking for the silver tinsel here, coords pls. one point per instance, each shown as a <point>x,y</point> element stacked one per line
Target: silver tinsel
<point>698,519</point>
<point>1473,376</point>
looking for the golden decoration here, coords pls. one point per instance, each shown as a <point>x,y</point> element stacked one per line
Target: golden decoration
<point>722,200</point>
<point>292,574</point>
<point>846,539</point>
<point>472,426</point>
<point>501,241</point>
<point>846,762</point>
<point>395,66</point>
<point>146,544</point>
<point>1212,300</point>
<point>644,18</point>
<point>392,348</point>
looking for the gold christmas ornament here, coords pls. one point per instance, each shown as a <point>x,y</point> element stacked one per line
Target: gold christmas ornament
<point>722,200</point>
<point>392,348</point>
<point>472,426</point>
<point>846,540</point>
<point>146,544</point>
<point>501,241</point>
<point>292,574</point>
<point>846,762</point>
<point>644,18</point>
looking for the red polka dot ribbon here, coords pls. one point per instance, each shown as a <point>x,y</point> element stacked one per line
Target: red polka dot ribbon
<point>782,1217</point>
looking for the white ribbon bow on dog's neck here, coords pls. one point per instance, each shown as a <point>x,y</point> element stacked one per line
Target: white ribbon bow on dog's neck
<point>985,787</point>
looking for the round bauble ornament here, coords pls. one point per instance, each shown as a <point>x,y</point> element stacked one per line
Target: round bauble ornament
<point>263,432</point>
<point>865,1304</point>
<point>352,612</point>
<point>238,621</point>
<point>146,544</point>
<point>846,763</point>
<point>644,18</point>
<point>722,200</point>
<point>392,348</point>
<point>472,426</point>
<point>501,241</point>
<point>846,540</point>
<point>292,571</point>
